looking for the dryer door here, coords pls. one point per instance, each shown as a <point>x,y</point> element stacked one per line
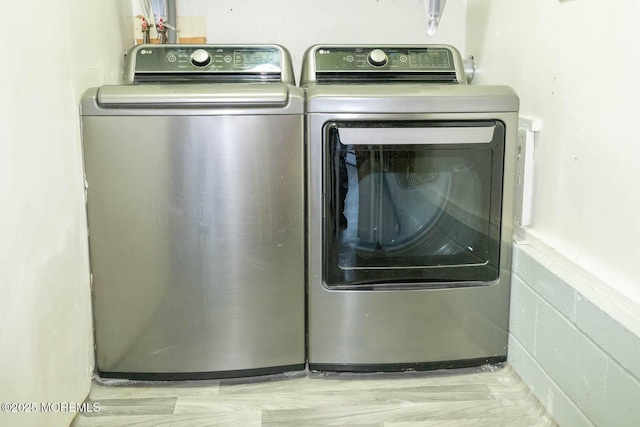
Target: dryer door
<point>412,204</point>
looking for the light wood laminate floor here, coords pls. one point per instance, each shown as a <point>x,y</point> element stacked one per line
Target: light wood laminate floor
<point>487,396</point>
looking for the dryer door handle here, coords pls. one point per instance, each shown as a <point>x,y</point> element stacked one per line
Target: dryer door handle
<point>416,136</point>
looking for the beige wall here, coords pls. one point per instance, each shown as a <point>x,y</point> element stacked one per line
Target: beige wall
<point>52,51</point>
<point>573,64</point>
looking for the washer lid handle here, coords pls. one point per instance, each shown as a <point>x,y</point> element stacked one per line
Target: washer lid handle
<point>234,96</point>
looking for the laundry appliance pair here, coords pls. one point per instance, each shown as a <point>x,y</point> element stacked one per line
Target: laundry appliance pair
<point>204,167</point>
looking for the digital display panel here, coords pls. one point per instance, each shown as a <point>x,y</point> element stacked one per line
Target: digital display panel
<point>439,59</point>
<point>247,59</point>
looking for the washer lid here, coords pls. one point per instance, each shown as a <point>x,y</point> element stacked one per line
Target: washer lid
<point>193,99</point>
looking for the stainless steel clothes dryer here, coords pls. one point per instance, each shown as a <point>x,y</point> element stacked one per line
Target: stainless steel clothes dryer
<point>410,182</point>
<point>196,214</point>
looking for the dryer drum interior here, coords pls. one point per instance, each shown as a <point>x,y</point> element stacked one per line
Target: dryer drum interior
<point>412,203</point>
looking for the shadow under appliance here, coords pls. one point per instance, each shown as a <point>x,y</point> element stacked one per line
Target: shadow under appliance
<point>195,206</point>
<point>410,182</point>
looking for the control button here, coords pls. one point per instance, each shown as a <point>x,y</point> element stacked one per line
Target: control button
<point>403,58</point>
<point>227,58</point>
<point>377,58</point>
<point>350,58</point>
<point>172,58</point>
<point>200,58</point>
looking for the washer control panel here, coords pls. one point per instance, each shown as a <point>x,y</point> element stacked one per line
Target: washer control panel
<point>177,58</point>
<point>339,58</point>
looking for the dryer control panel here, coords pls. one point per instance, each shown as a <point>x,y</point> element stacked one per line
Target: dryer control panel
<point>382,64</point>
<point>362,58</point>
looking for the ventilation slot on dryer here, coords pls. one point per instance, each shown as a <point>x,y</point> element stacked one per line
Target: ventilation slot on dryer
<point>381,77</point>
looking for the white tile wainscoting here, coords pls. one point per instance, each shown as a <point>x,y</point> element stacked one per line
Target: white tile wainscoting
<point>581,362</point>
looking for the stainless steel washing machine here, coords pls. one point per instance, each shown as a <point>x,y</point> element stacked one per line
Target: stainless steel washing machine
<point>410,181</point>
<point>195,204</point>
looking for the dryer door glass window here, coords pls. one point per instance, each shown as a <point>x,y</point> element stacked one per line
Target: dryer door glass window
<point>413,204</point>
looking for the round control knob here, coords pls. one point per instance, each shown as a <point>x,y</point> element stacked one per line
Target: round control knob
<point>200,58</point>
<point>377,58</point>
